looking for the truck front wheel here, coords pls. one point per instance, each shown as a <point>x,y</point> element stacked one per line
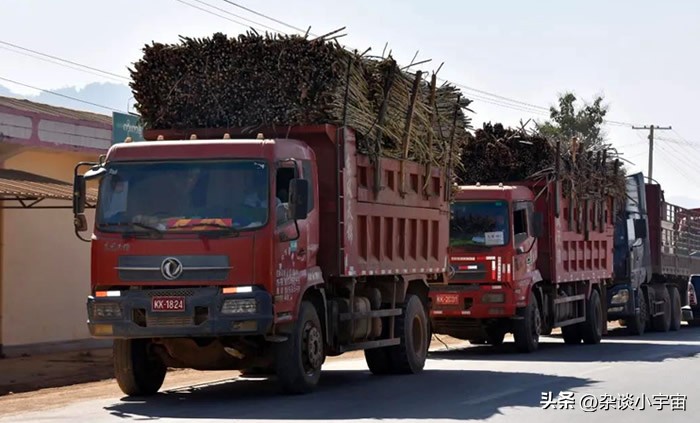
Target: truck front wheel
<point>662,322</point>
<point>592,328</point>
<point>527,330</point>
<point>637,324</point>
<point>138,371</point>
<point>675,308</point>
<point>299,359</point>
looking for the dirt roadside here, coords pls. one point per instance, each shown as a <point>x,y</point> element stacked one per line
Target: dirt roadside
<point>45,382</point>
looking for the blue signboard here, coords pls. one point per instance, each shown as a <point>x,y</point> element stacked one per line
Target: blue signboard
<point>126,125</point>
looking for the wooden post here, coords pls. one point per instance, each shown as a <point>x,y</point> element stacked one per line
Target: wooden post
<point>380,131</point>
<point>448,173</point>
<point>407,130</point>
<point>431,120</point>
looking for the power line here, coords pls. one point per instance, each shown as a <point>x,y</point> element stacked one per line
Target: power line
<point>58,63</point>
<point>267,17</point>
<point>64,60</point>
<point>238,16</point>
<point>58,94</point>
<point>212,13</point>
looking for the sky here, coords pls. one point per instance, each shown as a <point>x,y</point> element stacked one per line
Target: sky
<point>512,58</point>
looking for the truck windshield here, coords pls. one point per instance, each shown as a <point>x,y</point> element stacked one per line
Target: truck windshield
<point>479,223</point>
<point>184,196</point>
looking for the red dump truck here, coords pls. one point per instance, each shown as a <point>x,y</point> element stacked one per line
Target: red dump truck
<point>524,259</point>
<point>264,254</point>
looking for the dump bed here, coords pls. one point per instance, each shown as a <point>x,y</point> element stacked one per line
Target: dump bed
<point>577,239</point>
<point>674,235</point>
<point>363,232</point>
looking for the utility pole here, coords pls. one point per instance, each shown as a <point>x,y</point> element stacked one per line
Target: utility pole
<point>651,129</point>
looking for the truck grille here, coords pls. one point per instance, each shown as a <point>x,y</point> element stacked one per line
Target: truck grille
<point>161,321</point>
<point>170,292</point>
<point>194,268</point>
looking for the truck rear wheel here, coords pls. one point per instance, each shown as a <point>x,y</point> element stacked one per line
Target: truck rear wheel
<point>138,371</point>
<point>662,323</point>
<point>412,328</point>
<point>637,324</point>
<point>299,359</point>
<point>592,328</point>
<point>527,330</point>
<point>378,361</point>
<point>675,302</point>
<point>571,334</point>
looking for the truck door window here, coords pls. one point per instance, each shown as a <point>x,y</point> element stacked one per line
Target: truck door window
<point>522,221</point>
<point>282,179</point>
<point>520,226</point>
<point>309,176</point>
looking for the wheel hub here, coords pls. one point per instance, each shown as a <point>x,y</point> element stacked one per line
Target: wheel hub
<point>417,333</point>
<point>314,347</point>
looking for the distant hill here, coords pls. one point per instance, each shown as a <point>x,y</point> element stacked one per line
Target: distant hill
<point>115,96</point>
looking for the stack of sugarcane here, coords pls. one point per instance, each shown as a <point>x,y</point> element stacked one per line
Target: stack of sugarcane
<point>264,80</point>
<point>496,154</point>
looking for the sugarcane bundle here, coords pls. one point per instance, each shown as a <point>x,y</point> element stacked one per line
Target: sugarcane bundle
<point>258,80</point>
<point>496,154</point>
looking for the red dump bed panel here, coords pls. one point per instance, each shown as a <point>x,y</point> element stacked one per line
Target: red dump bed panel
<point>387,232</point>
<point>578,244</point>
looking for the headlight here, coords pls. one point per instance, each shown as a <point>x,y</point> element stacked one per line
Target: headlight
<point>493,297</point>
<point>621,297</point>
<point>107,310</point>
<point>239,305</point>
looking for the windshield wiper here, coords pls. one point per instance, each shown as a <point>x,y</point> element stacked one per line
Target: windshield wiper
<point>149,228</point>
<point>228,230</point>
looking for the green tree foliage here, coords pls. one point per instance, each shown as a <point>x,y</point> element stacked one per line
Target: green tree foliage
<point>583,123</point>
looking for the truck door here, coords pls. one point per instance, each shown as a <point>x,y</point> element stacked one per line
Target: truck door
<point>290,246</point>
<point>637,243</point>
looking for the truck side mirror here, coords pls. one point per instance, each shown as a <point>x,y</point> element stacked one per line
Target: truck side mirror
<point>78,194</point>
<point>298,198</point>
<point>537,224</point>
<point>640,228</point>
<point>80,223</point>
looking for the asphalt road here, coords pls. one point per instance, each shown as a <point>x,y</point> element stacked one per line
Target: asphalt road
<point>477,383</point>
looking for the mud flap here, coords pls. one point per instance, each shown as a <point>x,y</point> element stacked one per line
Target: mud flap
<point>687,314</point>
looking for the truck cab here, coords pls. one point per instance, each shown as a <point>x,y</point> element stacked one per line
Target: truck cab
<point>493,253</point>
<point>193,243</point>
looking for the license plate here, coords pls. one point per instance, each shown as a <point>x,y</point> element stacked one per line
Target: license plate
<point>448,299</point>
<point>168,304</point>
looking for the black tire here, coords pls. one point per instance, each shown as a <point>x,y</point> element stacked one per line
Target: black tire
<point>495,337</point>
<point>299,359</point>
<point>675,308</point>
<point>527,330</point>
<point>662,323</point>
<point>258,371</point>
<point>571,334</point>
<point>592,328</point>
<point>137,370</point>
<point>379,361</point>
<point>637,324</point>
<point>412,327</point>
